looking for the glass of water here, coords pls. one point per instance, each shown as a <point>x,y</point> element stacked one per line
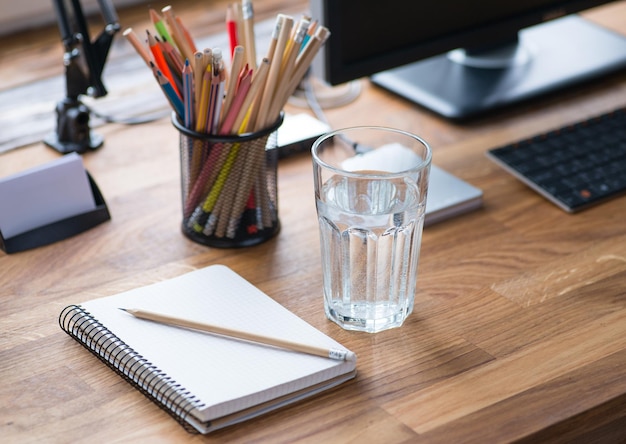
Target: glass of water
<point>370,193</point>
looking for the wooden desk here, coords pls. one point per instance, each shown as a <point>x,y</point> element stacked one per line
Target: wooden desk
<point>519,329</point>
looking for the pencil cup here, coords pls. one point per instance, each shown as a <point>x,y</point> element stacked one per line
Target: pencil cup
<point>229,186</point>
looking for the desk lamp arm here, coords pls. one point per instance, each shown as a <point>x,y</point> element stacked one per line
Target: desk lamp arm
<point>84,63</point>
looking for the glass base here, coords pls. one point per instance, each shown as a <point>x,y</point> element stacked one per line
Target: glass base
<point>367,317</point>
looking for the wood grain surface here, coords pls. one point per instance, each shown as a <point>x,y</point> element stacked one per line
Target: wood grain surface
<point>519,327</point>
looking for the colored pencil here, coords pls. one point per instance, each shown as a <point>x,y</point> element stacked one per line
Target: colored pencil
<point>188,96</point>
<point>160,61</point>
<point>171,94</point>
<point>160,26</point>
<point>231,29</point>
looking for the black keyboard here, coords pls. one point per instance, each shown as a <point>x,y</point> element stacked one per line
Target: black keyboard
<point>575,166</point>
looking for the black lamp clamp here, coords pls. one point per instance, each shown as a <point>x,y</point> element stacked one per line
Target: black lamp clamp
<point>84,62</point>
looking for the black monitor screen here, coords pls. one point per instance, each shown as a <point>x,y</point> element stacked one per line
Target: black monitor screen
<point>401,31</point>
<point>368,37</point>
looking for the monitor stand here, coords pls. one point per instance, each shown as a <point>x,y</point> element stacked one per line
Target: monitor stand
<point>548,57</point>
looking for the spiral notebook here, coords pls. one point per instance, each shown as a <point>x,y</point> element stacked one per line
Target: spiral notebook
<point>205,381</point>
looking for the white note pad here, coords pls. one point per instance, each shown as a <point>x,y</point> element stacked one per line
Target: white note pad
<point>44,194</point>
<point>448,195</point>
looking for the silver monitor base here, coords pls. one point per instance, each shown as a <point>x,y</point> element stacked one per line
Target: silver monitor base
<point>555,54</point>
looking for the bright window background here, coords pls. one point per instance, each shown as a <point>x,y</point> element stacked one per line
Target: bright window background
<point>25,14</point>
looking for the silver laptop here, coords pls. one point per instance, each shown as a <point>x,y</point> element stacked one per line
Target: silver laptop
<point>449,196</point>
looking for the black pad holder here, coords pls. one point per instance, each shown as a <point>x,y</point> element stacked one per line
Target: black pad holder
<point>61,229</point>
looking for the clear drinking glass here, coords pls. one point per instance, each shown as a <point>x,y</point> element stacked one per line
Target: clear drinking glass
<point>370,193</point>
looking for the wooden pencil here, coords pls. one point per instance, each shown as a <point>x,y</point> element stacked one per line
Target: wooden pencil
<point>198,72</point>
<point>287,64</point>
<point>141,49</point>
<point>247,15</point>
<point>240,94</point>
<point>254,160</point>
<point>160,61</point>
<point>333,353</point>
<point>293,49</point>
<point>186,34</point>
<point>231,29</point>
<point>231,83</point>
<point>287,88</point>
<point>177,34</point>
<point>171,94</point>
<point>258,82</point>
<point>232,184</point>
<point>275,63</point>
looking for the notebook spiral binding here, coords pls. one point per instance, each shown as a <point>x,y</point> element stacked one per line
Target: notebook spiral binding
<point>130,365</point>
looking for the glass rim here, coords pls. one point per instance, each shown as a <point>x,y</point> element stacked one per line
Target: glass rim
<point>425,163</point>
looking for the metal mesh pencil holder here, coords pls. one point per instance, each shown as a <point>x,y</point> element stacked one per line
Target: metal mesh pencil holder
<point>229,186</point>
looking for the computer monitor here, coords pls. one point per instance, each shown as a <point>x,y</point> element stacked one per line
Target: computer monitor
<point>460,58</point>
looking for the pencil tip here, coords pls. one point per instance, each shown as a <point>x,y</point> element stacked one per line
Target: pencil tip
<point>123,309</point>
